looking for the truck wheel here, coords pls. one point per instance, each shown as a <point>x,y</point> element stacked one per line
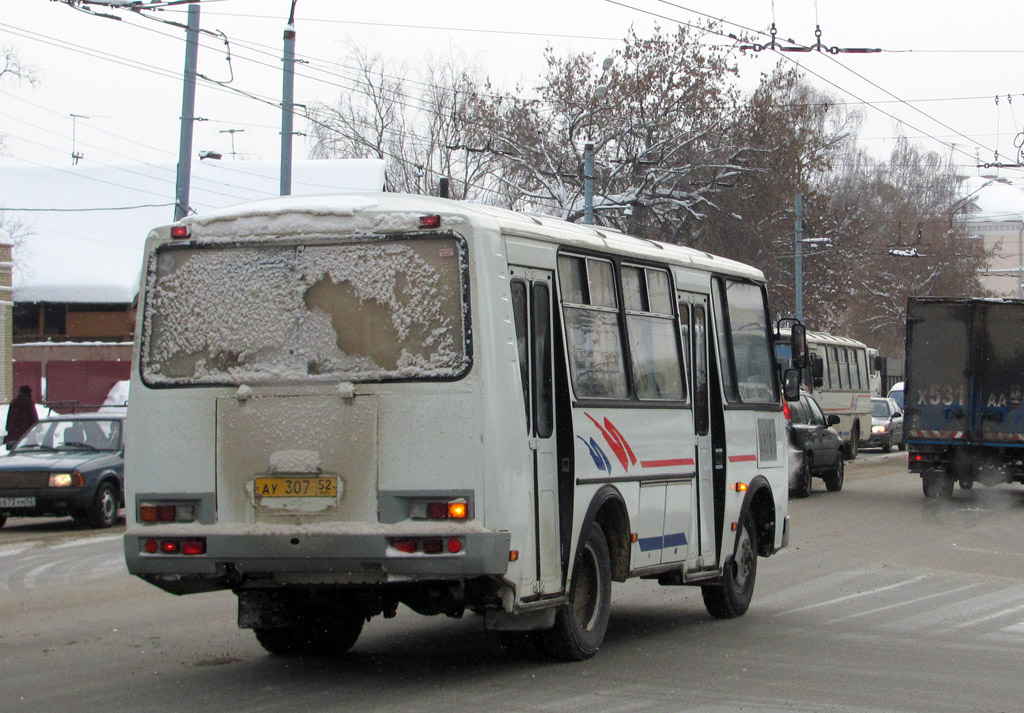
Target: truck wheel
<point>581,623</point>
<point>851,447</point>
<point>937,485</point>
<point>732,596</point>
<point>103,512</point>
<point>323,639</point>
<point>834,480</point>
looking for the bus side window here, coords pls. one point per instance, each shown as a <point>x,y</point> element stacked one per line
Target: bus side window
<point>540,324</point>
<point>522,344</point>
<point>701,417</point>
<point>592,327</point>
<point>650,328</point>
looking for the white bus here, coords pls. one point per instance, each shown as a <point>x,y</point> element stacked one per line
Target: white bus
<point>837,375</point>
<point>346,403</point>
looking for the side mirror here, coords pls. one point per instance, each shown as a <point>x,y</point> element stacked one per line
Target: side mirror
<point>818,369</point>
<point>791,384</point>
<point>831,419</point>
<point>798,344</point>
<point>879,363</point>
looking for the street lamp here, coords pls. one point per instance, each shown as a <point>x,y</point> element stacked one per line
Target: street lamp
<point>588,149</point>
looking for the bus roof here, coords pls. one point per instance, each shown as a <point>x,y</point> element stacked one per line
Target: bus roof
<point>368,211</point>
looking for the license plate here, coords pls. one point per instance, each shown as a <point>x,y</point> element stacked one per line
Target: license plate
<point>28,502</point>
<point>296,487</point>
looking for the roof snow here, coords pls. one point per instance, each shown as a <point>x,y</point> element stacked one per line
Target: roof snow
<point>82,228</point>
<point>993,199</point>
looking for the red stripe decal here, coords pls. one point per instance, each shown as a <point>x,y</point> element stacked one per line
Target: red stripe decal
<point>741,459</point>
<point>666,463</point>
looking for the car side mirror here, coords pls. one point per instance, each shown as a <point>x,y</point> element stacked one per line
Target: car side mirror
<point>791,384</point>
<point>831,419</point>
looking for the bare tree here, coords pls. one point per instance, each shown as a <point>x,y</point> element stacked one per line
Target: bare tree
<point>415,123</point>
<point>656,118</point>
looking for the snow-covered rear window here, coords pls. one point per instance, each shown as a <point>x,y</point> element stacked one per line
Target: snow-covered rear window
<point>263,312</point>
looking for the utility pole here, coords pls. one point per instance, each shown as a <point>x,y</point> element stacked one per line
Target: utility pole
<point>799,251</point>
<point>287,103</point>
<point>188,106</point>
<point>588,183</point>
<point>75,155</point>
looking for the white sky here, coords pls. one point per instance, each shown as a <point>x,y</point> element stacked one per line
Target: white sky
<point>947,59</point>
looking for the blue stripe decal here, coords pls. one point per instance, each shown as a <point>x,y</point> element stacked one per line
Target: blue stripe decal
<point>650,543</point>
<point>676,539</point>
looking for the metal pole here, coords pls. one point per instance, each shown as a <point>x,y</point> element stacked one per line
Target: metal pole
<point>188,105</point>
<point>799,250</point>
<point>588,183</point>
<point>287,104</point>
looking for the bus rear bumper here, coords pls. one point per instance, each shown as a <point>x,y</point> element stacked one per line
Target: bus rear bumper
<point>290,556</point>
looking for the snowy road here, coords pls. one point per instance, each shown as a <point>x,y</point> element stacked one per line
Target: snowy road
<point>885,601</point>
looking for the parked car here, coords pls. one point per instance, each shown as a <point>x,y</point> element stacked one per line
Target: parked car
<point>818,446</point>
<point>66,465</point>
<point>886,425</point>
<point>896,394</point>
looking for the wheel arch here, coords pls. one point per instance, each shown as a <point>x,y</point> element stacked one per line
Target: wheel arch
<point>760,504</point>
<point>608,509</point>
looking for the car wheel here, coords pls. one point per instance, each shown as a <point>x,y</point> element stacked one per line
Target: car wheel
<point>834,480</point>
<point>803,488</point>
<point>851,447</point>
<point>966,483</point>
<point>903,444</point>
<point>581,623</point>
<point>887,445</point>
<point>331,638</point>
<point>3,520</point>
<point>103,512</point>
<point>732,596</point>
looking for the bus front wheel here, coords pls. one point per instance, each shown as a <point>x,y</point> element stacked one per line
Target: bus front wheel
<point>581,623</point>
<point>731,597</point>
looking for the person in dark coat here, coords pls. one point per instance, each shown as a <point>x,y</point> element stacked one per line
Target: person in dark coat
<point>21,416</point>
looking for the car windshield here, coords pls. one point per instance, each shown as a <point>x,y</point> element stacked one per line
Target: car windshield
<point>72,434</point>
<point>879,409</point>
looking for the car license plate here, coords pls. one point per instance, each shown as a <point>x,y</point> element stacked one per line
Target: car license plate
<point>27,502</point>
<point>296,487</point>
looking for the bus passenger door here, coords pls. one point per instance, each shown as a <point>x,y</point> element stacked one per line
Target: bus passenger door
<point>531,307</point>
<point>693,323</point>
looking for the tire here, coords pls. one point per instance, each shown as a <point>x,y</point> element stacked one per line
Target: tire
<point>3,520</point>
<point>803,489</point>
<point>103,512</point>
<point>731,597</point>
<point>834,480</point>
<point>966,483</point>
<point>937,485</point>
<point>325,639</point>
<point>903,444</point>
<point>850,449</point>
<point>581,623</point>
<point>887,446</point>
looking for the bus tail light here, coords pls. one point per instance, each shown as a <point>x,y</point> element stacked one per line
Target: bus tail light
<point>428,545</point>
<point>167,512</point>
<point>192,546</point>
<point>457,509</point>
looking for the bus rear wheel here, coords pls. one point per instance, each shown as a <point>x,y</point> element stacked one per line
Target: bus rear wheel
<point>731,597</point>
<point>581,623</point>
<point>851,447</point>
<point>331,638</point>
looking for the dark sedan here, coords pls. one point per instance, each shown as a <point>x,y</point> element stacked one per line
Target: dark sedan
<point>818,449</point>
<point>66,465</point>
<point>886,425</point>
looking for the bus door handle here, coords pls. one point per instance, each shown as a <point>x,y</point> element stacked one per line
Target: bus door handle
<point>719,457</point>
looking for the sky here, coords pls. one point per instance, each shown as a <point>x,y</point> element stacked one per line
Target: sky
<point>110,89</point>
